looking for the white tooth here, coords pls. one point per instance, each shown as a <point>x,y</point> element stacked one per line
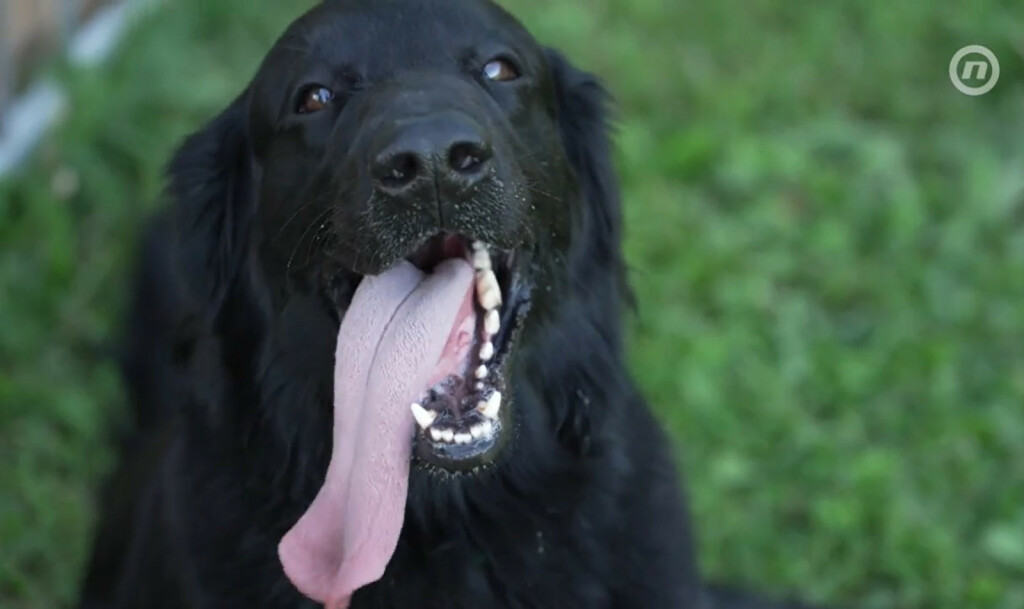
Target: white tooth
<point>488,429</point>
<point>477,431</point>
<point>436,434</point>
<point>487,351</point>
<point>491,406</point>
<point>492,323</point>
<point>489,297</point>
<point>463,438</point>
<point>487,290</point>
<point>479,245</point>
<point>447,435</point>
<point>481,259</point>
<point>479,386</point>
<point>481,372</point>
<point>424,417</point>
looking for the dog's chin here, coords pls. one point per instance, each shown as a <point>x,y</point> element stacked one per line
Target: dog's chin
<point>464,419</point>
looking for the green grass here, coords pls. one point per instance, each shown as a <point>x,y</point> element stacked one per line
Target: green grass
<point>826,240</point>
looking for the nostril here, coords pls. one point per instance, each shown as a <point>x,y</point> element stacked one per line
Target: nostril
<point>468,157</point>
<point>398,171</point>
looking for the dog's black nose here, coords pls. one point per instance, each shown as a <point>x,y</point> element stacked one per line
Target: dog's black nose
<point>447,147</point>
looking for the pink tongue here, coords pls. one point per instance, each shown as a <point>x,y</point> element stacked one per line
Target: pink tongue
<point>389,345</point>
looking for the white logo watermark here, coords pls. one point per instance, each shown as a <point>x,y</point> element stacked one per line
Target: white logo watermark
<point>983,69</point>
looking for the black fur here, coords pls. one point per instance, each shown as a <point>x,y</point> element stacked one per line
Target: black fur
<point>229,369</point>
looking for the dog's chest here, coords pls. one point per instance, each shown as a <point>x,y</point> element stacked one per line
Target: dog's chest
<point>540,571</point>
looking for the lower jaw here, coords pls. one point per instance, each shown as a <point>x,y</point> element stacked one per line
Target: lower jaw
<point>476,451</point>
<point>455,459</point>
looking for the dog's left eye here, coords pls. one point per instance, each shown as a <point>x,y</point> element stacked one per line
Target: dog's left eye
<point>314,98</point>
<point>501,70</point>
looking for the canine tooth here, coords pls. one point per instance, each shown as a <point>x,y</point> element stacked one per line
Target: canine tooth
<point>447,435</point>
<point>479,245</point>
<point>436,434</point>
<point>488,429</point>
<point>481,372</point>
<point>477,431</point>
<point>487,351</point>
<point>424,417</point>
<point>490,407</point>
<point>479,386</point>
<point>481,259</point>
<point>487,290</point>
<point>463,438</point>
<point>492,322</point>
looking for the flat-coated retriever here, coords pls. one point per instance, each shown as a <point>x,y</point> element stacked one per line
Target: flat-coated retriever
<point>376,352</point>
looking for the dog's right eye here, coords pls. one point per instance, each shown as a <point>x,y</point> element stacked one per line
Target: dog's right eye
<point>314,98</point>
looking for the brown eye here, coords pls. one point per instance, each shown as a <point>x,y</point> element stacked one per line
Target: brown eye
<point>500,70</point>
<point>314,98</point>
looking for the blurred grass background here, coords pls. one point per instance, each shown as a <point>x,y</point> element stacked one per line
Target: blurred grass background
<point>826,240</point>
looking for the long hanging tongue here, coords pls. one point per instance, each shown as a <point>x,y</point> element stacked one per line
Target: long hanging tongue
<point>389,345</point>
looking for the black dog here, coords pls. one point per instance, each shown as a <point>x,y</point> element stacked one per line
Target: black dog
<point>405,230</point>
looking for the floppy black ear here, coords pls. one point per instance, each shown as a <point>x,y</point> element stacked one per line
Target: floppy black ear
<point>583,117</point>
<point>190,258</point>
<point>211,183</point>
<point>596,270</point>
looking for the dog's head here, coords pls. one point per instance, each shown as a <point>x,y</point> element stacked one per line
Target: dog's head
<point>439,185</point>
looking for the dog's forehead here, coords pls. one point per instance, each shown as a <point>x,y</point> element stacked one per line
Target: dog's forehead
<point>379,36</point>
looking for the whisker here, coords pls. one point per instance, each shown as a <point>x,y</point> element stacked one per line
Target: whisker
<point>529,155</point>
<point>296,213</point>
<point>538,191</point>
<point>295,250</point>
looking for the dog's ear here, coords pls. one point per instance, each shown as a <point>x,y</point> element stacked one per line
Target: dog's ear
<point>211,183</point>
<point>583,116</point>
<point>596,268</point>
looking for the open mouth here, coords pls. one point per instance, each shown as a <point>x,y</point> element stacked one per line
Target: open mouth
<point>463,417</point>
<point>438,328</point>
